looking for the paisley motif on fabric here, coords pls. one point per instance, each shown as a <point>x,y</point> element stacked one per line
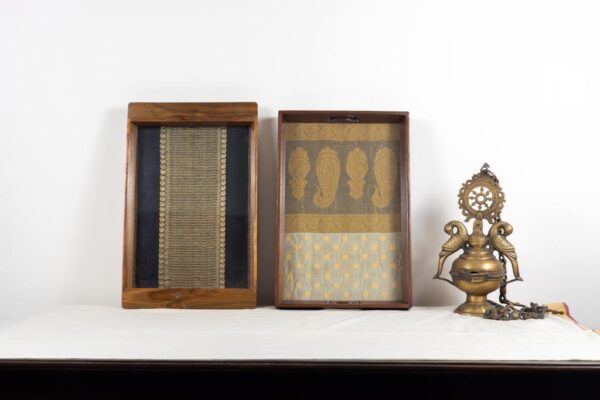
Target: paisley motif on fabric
<point>328,176</point>
<point>298,169</point>
<point>356,168</point>
<point>385,168</point>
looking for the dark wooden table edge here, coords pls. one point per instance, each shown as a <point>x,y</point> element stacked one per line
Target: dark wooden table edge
<point>400,366</point>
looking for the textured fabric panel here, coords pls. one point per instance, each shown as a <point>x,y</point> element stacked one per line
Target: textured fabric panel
<point>342,267</point>
<point>237,218</point>
<point>342,213</point>
<point>192,207</point>
<point>356,177</point>
<point>146,240</point>
<point>342,223</point>
<point>341,131</point>
<point>236,215</point>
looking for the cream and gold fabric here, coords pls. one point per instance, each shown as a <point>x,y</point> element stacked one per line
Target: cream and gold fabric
<point>342,222</point>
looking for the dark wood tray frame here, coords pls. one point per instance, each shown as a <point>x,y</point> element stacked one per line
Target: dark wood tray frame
<point>406,258</point>
<point>187,114</point>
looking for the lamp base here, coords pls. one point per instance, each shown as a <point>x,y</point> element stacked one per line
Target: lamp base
<point>475,306</point>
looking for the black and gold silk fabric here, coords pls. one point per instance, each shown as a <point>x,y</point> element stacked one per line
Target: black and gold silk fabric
<point>192,207</point>
<point>342,212</point>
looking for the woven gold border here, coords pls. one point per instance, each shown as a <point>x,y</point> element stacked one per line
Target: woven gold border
<point>341,131</point>
<point>342,223</point>
<point>221,209</point>
<point>162,214</point>
<point>222,159</point>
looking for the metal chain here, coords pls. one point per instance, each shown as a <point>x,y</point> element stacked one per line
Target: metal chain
<point>503,284</point>
<point>508,310</point>
<point>513,311</point>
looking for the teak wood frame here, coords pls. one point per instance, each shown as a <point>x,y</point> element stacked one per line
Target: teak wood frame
<point>405,257</point>
<point>187,114</point>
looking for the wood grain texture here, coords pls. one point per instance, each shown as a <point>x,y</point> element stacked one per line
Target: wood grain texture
<point>188,298</point>
<point>193,113</point>
<point>406,258</point>
<point>130,206</point>
<point>188,114</point>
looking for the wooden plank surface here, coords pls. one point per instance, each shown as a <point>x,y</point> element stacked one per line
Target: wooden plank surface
<point>192,113</point>
<point>188,298</point>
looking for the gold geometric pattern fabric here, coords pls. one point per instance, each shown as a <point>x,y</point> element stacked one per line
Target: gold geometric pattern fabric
<point>342,266</point>
<point>192,207</point>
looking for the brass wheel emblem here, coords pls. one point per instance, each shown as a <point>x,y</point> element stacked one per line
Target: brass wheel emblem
<point>481,197</point>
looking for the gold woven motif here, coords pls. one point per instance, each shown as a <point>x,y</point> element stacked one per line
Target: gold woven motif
<point>328,176</point>
<point>192,207</point>
<point>298,168</point>
<point>385,167</point>
<point>356,168</point>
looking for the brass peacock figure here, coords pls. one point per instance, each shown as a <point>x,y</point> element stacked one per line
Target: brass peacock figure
<point>458,238</point>
<point>498,241</point>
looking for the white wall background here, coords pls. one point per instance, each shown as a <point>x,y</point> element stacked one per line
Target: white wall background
<point>513,83</point>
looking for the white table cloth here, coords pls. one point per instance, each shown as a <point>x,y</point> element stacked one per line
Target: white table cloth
<point>423,333</point>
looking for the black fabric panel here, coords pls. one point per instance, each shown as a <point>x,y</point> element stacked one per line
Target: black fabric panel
<point>236,220</point>
<point>148,172</point>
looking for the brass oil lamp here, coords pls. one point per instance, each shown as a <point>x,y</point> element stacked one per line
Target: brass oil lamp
<point>477,271</point>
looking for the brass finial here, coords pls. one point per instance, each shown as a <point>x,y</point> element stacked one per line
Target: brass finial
<point>481,197</point>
